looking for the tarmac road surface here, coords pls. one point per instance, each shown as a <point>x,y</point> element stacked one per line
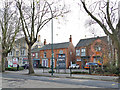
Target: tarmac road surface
<point>12,80</point>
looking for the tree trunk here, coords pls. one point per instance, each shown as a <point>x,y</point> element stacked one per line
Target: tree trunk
<point>3,61</point>
<point>31,70</point>
<point>119,64</point>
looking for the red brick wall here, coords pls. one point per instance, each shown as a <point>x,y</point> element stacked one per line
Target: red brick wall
<point>90,51</point>
<point>35,55</point>
<point>103,53</point>
<point>70,57</point>
<point>66,51</point>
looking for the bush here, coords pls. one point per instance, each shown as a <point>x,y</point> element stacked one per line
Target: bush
<point>99,70</point>
<point>14,68</point>
<point>109,69</point>
<point>112,70</point>
<point>79,72</point>
<point>51,71</point>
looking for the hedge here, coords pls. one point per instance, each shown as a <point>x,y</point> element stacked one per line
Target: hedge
<point>13,68</point>
<point>79,72</point>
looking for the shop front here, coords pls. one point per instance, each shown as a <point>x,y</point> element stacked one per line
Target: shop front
<point>36,63</point>
<point>84,60</point>
<point>61,61</point>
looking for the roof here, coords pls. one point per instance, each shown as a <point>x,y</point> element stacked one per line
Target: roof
<point>19,39</point>
<point>35,49</point>
<point>56,46</point>
<point>88,41</point>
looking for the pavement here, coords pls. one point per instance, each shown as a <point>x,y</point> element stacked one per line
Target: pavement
<point>40,72</point>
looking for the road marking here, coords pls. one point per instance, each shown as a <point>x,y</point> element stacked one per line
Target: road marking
<point>113,84</point>
<point>80,80</point>
<point>53,78</point>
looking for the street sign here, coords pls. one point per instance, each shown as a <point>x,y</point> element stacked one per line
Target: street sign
<point>15,62</point>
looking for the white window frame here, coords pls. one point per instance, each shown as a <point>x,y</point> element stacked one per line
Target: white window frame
<point>46,62</point>
<point>78,59</point>
<point>36,55</point>
<point>45,54</point>
<point>11,53</point>
<point>98,48</point>
<point>83,52</point>
<point>22,52</point>
<point>77,52</point>
<point>61,52</point>
<point>17,53</point>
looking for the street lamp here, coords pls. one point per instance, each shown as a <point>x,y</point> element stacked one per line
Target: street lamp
<point>51,35</point>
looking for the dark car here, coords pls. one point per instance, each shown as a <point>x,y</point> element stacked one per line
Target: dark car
<point>25,66</point>
<point>87,65</point>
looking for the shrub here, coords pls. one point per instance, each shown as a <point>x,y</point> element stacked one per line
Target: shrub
<point>99,70</point>
<point>109,68</point>
<point>79,72</point>
<point>112,70</point>
<point>51,71</point>
<point>14,68</point>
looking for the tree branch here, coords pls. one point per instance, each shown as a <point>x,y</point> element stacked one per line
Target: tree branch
<point>94,18</point>
<point>108,19</point>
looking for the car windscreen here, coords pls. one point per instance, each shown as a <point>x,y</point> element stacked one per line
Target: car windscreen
<point>91,64</point>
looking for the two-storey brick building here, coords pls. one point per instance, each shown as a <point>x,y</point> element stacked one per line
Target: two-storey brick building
<point>36,56</point>
<point>63,54</point>
<point>92,50</point>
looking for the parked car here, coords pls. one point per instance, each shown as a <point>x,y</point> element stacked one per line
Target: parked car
<point>87,65</point>
<point>73,66</point>
<point>25,66</point>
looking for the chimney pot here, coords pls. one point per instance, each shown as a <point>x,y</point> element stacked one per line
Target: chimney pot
<point>70,39</point>
<point>44,41</point>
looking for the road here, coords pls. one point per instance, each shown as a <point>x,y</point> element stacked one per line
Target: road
<point>10,80</point>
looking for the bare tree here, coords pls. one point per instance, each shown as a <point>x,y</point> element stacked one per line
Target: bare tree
<point>33,18</point>
<point>106,18</point>
<point>9,25</point>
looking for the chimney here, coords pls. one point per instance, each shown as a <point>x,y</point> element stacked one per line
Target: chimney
<point>70,39</point>
<point>44,41</point>
<point>38,38</point>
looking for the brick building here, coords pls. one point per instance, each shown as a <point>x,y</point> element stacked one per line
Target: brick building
<point>36,56</point>
<point>63,54</point>
<point>92,50</point>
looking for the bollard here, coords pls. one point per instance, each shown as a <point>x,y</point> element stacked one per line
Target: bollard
<point>89,70</point>
<point>70,72</point>
<point>43,69</point>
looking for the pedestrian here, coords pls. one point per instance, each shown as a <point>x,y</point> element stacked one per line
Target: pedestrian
<point>17,67</point>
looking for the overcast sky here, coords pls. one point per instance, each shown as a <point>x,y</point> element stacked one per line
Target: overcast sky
<point>72,24</point>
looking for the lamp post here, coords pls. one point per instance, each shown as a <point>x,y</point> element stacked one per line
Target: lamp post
<point>51,35</point>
